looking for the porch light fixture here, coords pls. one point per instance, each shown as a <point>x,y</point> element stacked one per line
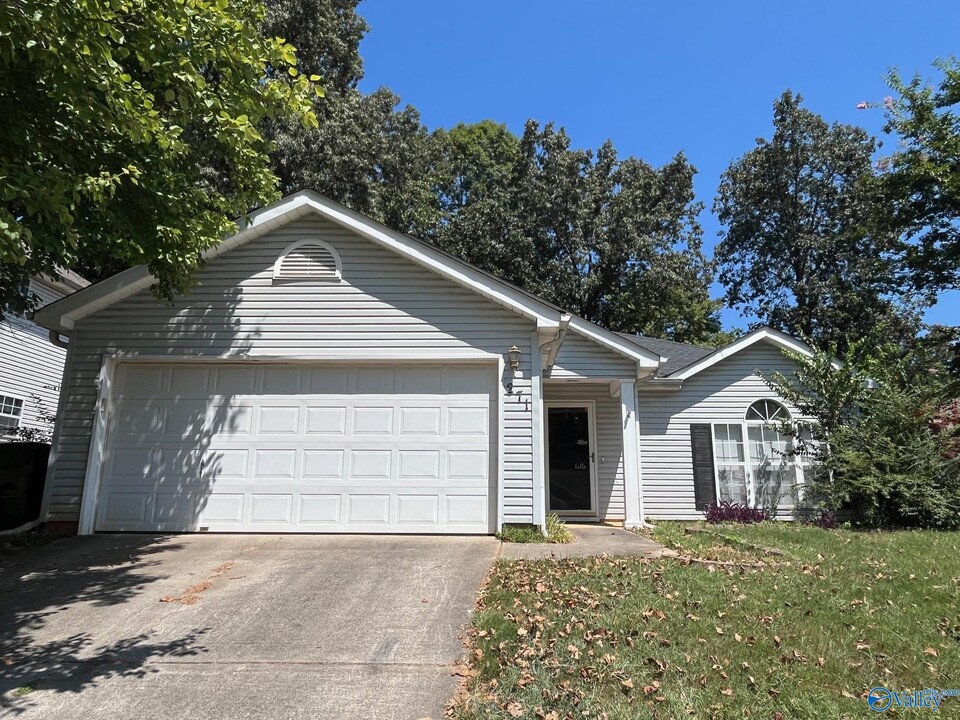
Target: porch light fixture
<point>514,353</point>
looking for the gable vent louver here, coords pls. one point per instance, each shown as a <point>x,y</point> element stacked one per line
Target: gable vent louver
<point>308,261</point>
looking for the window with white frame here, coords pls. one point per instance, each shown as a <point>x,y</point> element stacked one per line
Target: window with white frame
<point>11,409</point>
<point>756,464</point>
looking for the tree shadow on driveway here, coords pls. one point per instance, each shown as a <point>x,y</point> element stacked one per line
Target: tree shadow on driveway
<point>77,575</point>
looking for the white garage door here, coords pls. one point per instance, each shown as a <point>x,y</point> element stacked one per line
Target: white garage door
<point>287,448</point>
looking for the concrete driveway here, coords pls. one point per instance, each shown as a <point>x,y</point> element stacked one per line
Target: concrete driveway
<point>235,626</point>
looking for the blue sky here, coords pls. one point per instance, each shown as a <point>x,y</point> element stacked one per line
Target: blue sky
<point>656,78</point>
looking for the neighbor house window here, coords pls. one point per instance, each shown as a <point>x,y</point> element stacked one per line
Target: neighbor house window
<point>755,463</point>
<point>11,409</point>
<point>308,260</point>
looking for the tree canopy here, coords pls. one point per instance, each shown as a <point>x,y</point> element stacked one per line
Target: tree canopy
<point>114,120</point>
<point>613,239</point>
<point>799,248</point>
<point>923,178</point>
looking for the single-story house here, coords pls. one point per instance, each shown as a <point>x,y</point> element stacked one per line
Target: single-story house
<point>328,374</point>
<point>31,360</point>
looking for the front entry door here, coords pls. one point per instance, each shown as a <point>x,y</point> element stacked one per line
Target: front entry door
<point>570,457</point>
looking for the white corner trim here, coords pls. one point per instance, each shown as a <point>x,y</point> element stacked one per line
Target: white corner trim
<point>91,482</point>
<point>775,337</point>
<point>538,433</point>
<point>632,485</point>
<point>501,460</point>
<point>55,438</point>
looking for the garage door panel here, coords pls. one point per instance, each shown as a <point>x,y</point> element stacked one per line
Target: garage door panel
<point>184,419</point>
<point>271,507</point>
<point>173,508</point>
<point>301,449</point>
<point>368,509</point>
<point>320,509</point>
<point>279,420</point>
<point>226,464</point>
<point>327,420</point>
<point>468,421</point>
<point>320,464</point>
<point>189,379</point>
<point>327,381</point>
<point>366,464</point>
<point>373,421</point>
<point>418,509</point>
<point>281,380</point>
<point>419,464</point>
<point>374,381</point>
<point>223,508</point>
<point>274,463</point>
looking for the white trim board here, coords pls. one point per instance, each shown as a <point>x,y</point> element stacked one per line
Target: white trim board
<point>767,334</point>
<point>63,314</point>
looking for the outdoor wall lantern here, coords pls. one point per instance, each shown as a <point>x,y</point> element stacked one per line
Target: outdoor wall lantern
<point>514,353</point>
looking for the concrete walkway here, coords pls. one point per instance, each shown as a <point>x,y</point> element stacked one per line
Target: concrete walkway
<point>147,627</point>
<point>591,539</point>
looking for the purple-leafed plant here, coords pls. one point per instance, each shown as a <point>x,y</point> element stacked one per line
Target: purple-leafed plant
<point>727,512</point>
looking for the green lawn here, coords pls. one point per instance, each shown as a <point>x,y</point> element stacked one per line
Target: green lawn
<point>806,636</point>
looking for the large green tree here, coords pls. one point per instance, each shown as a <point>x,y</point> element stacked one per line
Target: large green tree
<point>799,250</point>
<point>923,182</point>
<point>614,240</point>
<point>129,131</point>
<point>366,151</point>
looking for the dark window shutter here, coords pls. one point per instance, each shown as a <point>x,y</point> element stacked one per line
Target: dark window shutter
<point>704,487</point>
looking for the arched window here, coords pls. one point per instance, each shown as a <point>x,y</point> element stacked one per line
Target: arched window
<point>756,464</point>
<point>767,411</point>
<point>308,260</point>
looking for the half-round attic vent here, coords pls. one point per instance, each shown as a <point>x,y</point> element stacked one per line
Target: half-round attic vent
<point>308,260</point>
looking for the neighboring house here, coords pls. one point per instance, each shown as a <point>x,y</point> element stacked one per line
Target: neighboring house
<point>330,375</point>
<point>31,365</point>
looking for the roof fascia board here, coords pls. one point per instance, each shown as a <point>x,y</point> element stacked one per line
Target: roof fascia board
<point>767,334</point>
<point>63,314</point>
<point>610,340</point>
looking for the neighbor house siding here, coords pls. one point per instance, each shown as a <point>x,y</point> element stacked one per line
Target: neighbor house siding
<point>609,450</point>
<point>30,365</point>
<point>719,394</point>
<point>583,358</point>
<point>384,303</point>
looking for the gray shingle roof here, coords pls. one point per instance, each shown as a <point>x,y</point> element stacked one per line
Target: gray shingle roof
<point>678,355</point>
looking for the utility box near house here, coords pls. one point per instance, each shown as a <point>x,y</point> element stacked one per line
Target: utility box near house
<point>23,470</point>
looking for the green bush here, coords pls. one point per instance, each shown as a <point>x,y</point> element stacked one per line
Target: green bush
<point>885,451</point>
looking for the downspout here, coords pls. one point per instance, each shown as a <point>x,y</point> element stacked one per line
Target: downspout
<point>58,340</point>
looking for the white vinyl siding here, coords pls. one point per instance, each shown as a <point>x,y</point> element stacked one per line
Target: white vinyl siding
<point>30,365</point>
<point>609,450</point>
<point>383,304</point>
<point>719,394</point>
<point>583,358</point>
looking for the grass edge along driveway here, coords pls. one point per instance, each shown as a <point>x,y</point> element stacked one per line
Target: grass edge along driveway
<point>804,633</point>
